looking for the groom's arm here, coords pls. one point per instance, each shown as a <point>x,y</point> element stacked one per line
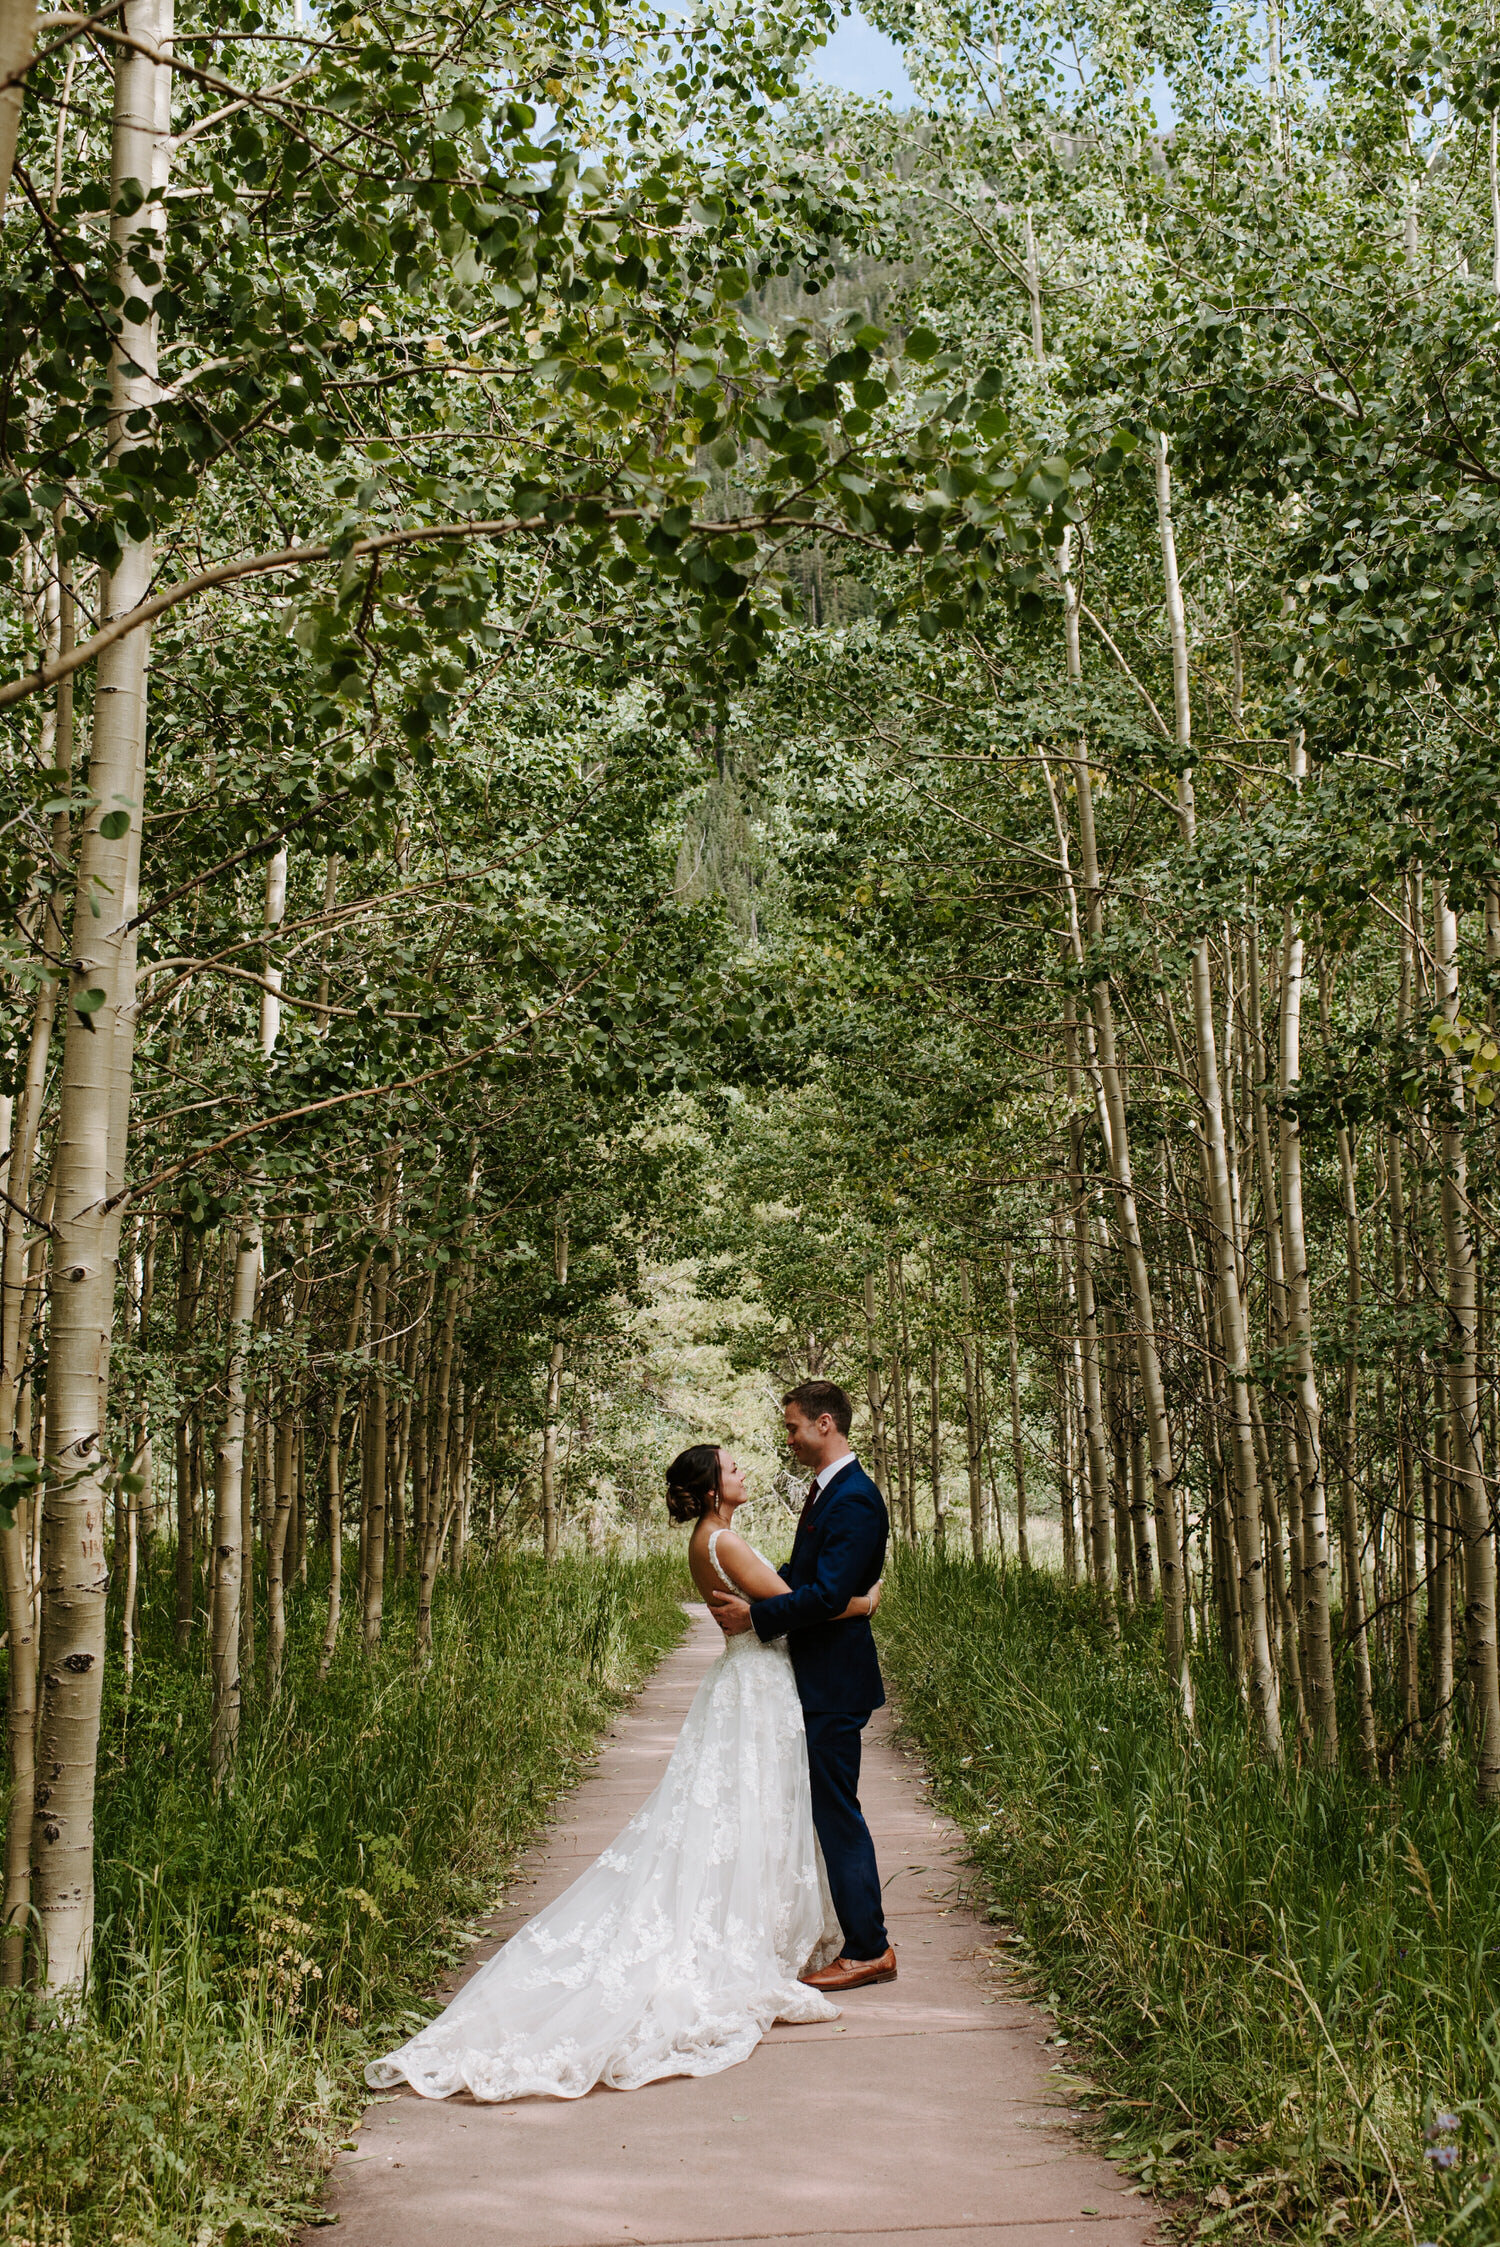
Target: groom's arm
<point>848,1564</point>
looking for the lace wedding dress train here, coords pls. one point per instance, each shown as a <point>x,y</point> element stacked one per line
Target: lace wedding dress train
<point>678,1948</point>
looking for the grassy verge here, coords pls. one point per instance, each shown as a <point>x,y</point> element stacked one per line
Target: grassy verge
<point>255,1949</point>
<point>1283,1987</point>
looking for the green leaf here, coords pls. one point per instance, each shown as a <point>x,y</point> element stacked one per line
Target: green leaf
<point>90,1001</point>
<point>922,345</point>
<point>114,824</point>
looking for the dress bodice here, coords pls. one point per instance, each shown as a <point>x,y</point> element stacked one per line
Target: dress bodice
<point>741,1642</point>
<point>721,1572</point>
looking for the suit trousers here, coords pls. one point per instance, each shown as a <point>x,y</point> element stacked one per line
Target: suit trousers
<point>833,1745</point>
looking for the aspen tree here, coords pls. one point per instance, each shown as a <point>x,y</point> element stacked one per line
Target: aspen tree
<point>336,1466</point>
<point>1088,1354</point>
<point>1288,1596</point>
<point>1119,1469</point>
<point>1114,1125</point>
<point>1465,1433</point>
<point>907,1421</point>
<point>284,1455</point>
<point>935,1443</point>
<point>228,1548</point>
<point>1013,1368</point>
<point>555,1360</point>
<point>96,1064</point>
<point>1317,1635</point>
<point>17,43</point>
<point>15,1322</point>
<point>1265,1685</point>
<point>879,1460</point>
<point>247,1535</point>
<point>1356,1623</point>
<point>433,1522</point>
<point>972,1433</point>
<point>1409,1572</point>
<point>373,1493</point>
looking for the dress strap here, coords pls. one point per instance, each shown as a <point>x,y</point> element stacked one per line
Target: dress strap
<point>713,1561</point>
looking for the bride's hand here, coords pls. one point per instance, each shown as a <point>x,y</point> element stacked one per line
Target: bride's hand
<point>862,1604</point>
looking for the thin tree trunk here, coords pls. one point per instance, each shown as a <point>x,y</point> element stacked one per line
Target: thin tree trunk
<point>909,1479</point>
<point>336,1470</point>
<point>880,1462</point>
<point>229,1553</point>
<point>1287,1595</point>
<point>1356,1621</point>
<point>934,1440</point>
<point>1017,1447</point>
<point>16,1292</point>
<point>1096,1458</point>
<point>1264,1683</point>
<point>555,1359</point>
<point>434,1527</point>
<point>1317,1634</point>
<point>1440,1575</point>
<point>373,1447</point>
<point>247,1542</point>
<point>1466,1441</point>
<point>228,1545</point>
<point>1119,1458</point>
<point>972,1434</point>
<point>1140,1516</point>
<point>1409,1666</point>
<point>1114,1126</point>
<point>986,1420</point>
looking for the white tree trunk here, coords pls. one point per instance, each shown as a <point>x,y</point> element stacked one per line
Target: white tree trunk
<point>1013,1368</point>
<point>228,1545</point>
<point>1316,1567</point>
<point>972,1431</point>
<point>1465,1427</point>
<point>555,1358</point>
<point>17,1296</point>
<point>17,43</point>
<point>1265,1686</point>
<point>90,1134</point>
<point>1114,1126</point>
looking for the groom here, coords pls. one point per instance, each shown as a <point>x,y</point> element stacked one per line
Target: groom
<point>837,1553</point>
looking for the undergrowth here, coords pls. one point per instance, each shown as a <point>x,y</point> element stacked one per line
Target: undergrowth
<point>1283,1985</point>
<point>255,1949</point>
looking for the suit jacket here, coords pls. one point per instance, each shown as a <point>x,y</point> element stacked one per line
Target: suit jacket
<point>838,1552</point>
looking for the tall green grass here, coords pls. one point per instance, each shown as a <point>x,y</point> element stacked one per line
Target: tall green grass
<point>256,1947</point>
<point>1283,1985</point>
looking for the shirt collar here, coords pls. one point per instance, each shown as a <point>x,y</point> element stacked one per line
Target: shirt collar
<point>835,1466</point>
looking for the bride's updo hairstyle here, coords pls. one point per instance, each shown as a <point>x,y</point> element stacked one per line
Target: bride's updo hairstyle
<point>693,1483</point>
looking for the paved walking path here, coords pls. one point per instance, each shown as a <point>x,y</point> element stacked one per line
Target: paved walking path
<point>933,2111</point>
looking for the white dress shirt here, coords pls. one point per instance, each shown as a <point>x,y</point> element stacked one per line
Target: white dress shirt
<point>826,1474</point>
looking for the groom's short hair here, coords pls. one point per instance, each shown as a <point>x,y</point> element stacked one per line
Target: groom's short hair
<point>814,1398</point>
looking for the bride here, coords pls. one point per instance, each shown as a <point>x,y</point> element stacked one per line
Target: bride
<point>675,1952</point>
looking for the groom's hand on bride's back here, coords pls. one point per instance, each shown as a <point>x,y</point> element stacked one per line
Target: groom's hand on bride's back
<point>729,1613</point>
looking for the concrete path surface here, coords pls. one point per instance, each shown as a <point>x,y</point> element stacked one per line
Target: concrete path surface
<point>932,2111</point>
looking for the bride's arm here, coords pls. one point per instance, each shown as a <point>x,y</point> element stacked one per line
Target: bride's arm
<point>758,1580</point>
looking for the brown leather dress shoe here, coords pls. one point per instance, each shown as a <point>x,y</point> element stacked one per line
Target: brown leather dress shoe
<point>852,1973</point>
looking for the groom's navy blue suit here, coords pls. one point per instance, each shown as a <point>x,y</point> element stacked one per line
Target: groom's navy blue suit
<point>837,1554</point>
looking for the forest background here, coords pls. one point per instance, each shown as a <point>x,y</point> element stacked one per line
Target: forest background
<point>665,729</point>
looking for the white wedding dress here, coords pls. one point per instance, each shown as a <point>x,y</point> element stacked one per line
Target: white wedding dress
<point>678,1948</point>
